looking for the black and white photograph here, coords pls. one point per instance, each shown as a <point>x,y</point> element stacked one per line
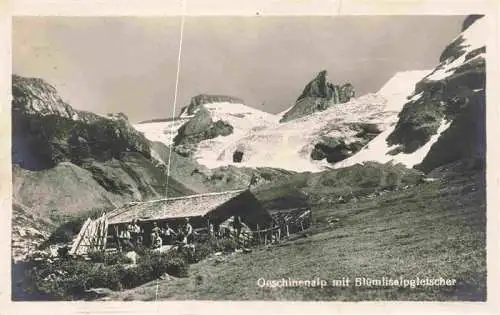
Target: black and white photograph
<point>249,158</point>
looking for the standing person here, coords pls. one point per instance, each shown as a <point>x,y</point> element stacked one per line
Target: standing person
<point>217,230</point>
<point>156,241</point>
<point>187,231</point>
<point>125,238</point>
<point>211,229</point>
<point>169,234</point>
<point>135,232</point>
<point>154,230</point>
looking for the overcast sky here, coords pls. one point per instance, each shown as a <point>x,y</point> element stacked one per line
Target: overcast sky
<point>129,64</point>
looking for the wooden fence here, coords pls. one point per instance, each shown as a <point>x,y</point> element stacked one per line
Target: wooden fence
<point>285,223</point>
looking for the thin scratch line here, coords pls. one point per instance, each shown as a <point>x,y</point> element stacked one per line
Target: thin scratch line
<point>175,97</point>
<point>173,116</point>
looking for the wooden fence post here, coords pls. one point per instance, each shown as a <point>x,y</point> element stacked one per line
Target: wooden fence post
<point>105,240</point>
<point>258,234</point>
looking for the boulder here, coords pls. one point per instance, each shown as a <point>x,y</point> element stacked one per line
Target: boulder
<point>237,156</point>
<point>201,127</point>
<point>335,150</point>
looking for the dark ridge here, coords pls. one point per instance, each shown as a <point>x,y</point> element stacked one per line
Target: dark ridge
<point>469,20</point>
<point>155,120</point>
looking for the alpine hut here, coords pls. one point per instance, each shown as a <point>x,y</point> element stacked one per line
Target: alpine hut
<point>200,209</point>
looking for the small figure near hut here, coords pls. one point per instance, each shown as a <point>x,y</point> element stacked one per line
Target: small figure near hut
<point>187,231</point>
<point>154,231</point>
<point>169,234</point>
<point>211,229</point>
<point>156,241</point>
<point>124,238</point>
<point>135,232</point>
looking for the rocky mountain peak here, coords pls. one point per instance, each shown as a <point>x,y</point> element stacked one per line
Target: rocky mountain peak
<point>201,99</point>
<point>47,131</point>
<point>318,95</point>
<point>35,96</point>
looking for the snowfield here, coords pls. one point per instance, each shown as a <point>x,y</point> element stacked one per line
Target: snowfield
<point>244,119</point>
<point>399,87</point>
<point>161,131</point>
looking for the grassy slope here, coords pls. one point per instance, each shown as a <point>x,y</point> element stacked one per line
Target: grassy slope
<point>431,230</point>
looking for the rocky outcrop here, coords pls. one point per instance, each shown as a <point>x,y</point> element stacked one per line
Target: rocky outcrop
<point>198,101</point>
<point>29,231</point>
<point>469,20</point>
<point>318,95</point>
<point>334,150</point>
<point>454,93</point>
<point>337,149</point>
<point>201,127</point>
<point>238,156</point>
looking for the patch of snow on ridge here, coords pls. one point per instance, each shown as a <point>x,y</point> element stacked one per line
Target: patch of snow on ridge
<point>378,150</point>
<point>474,37</point>
<point>161,131</point>
<point>400,86</point>
<point>280,114</point>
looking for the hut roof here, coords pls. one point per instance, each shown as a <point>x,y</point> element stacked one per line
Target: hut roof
<point>179,207</point>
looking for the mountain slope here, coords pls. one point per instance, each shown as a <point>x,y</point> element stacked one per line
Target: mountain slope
<point>73,161</point>
<point>444,120</point>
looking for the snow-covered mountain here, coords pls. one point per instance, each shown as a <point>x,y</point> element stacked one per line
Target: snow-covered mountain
<point>402,122</point>
<point>289,145</point>
<point>444,118</point>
